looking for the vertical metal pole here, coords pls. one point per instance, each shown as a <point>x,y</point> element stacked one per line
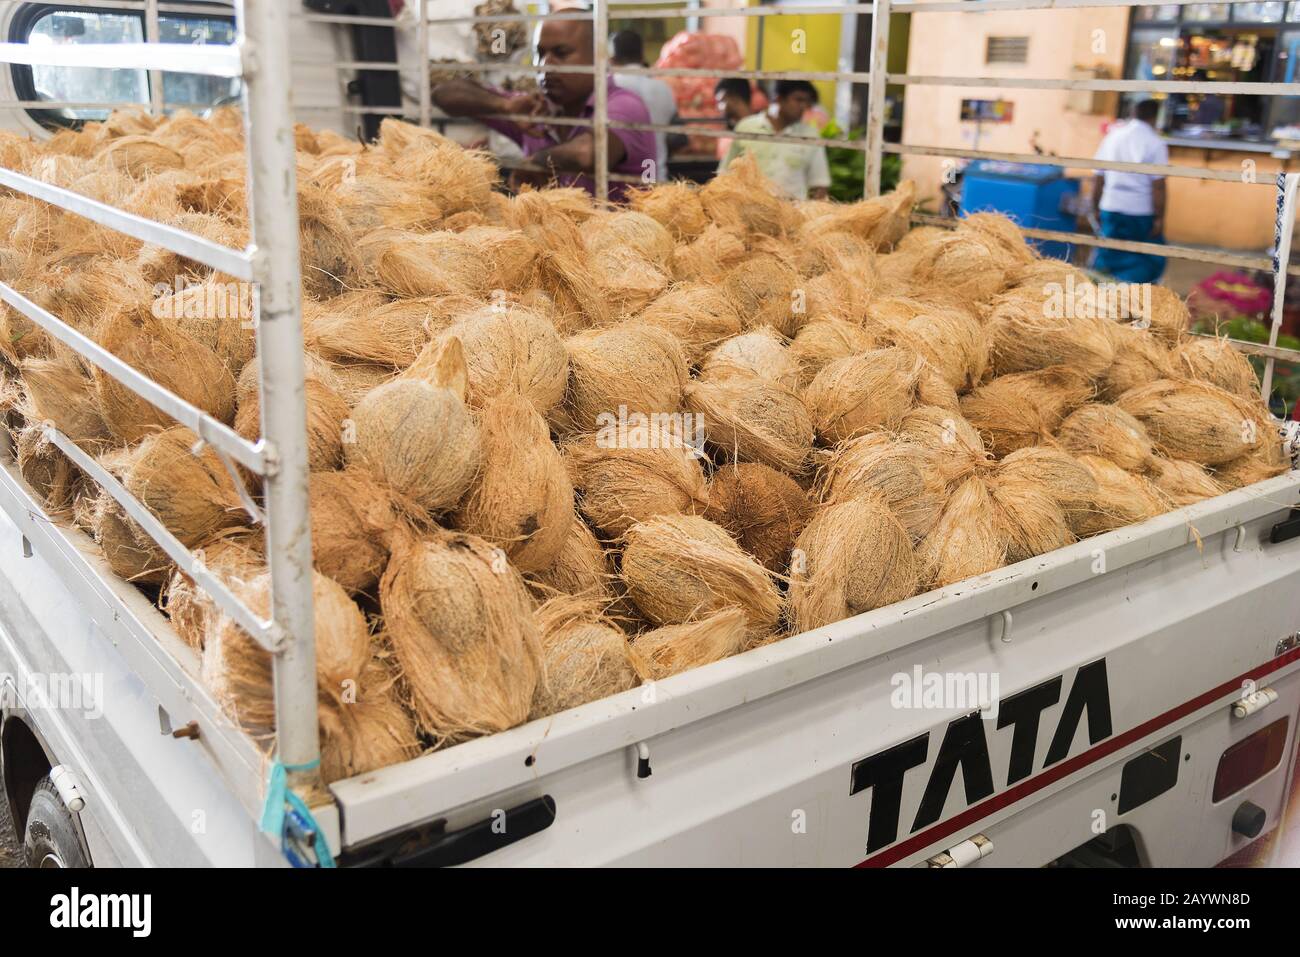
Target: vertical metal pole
<point>151,35</point>
<point>1283,229</point>
<point>273,198</point>
<point>844,89</point>
<point>876,98</point>
<point>600,121</point>
<point>693,23</point>
<point>426,87</point>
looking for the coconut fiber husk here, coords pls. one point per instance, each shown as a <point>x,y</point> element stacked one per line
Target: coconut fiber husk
<point>854,556</point>
<point>680,568</point>
<point>898,473</point>
<point>237,557</point>
<point>131,554</point>
<point>967,540</point>
<point>47,470</point>
<point>821,252</point>
<point>586,656</point>
<point>1025,408</point>
<point>352,523</point>
<point>327,412</point>
<point>59,392</point>
<point>698,314</point>
<point>1140,359</point>
<point>673,649</point>
<point>952,445</point>
<point>1194,421</point>
<point>632,231</point>
<point>1027,515</point>
<point>531,207</point>
<point>511,350</point>
<point>632,366</point>
<point>141,156</point>
<point>460,623</point>
<point>882,220</point>
<point>842,294</point>
<point>764,510</point>
<point>1122,499</point>
<point>676,206</point>
<point>522,500</point>
<point>1065,478</point>
<point>217,314</point>
<point>968,265</point>
<point>364,326</point>
<point>742,200</point>
<point>872,390</point>
<point>566,275</point>
<point>762,352</point>
<point>951,341</point>
<point>1264,461</point>
<point>1110,432</point>
<point>581,568</point>
<point>1214,361</point>
<point>822,341</point>
<point>630,478</point>
<point>193,495</point>
<point>1002,232</point>
<point>1185,483</point>
<point>475,261</point>
<point>748,418</point>
<point>762,289</point>
<point>368,733</point>
<point>709,257</point>
<point>626,281</point>
<point>1169,317</point>
<point>457,179</point>
<point>1024,338</point>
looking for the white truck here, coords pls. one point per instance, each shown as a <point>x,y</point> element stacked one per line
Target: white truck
<point>1129,700</point>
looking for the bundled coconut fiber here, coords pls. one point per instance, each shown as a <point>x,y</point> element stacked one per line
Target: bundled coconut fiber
<point>1110,432</point>
<point>680,568</point>
<point>353,380</point>
<point>742,200</point>
<point>172,359</point>
<point>625,479</point>
<point>967,540</point>
<point>511,350</point>
<point>676,206</point>
<point>586,656</point>
<point>1024,336</point>
<point>1023,409</point>
<point>193,495</point>
<point>822,341</point>
<point>761,352</point>
<point>367,734</point>
<point>631,366</point>
<point>709,256</point>
<point>522,500</point>
<point>352,523</point>
<point>951,341</point>
<point>763,509</point>
<point>581,568</point>
<point>672,649</point>
<point>131,554</point>
<point>364,326</point>
<point>416,435</point>
<point>141,156</point>
<point>461,628</point>
<point>237,557</point>
<point>60,393</point>
<point>699,315</point>
<point>47,470</point>
<point>632,231</point>
<point>899,474</point>
<point>854,556</point>
<point>762,290</point>
<point>749,418</point>
<point>1027,515</point>
<point>1185,483</point>
<point>1066,479</point>
<point>1169,316</point>
<point>1140,359</point>
<point>327,412</point>
<point>1122,499</point>
<point>1215,361</point>
<point>868,391</point>
<point>1193,420</point>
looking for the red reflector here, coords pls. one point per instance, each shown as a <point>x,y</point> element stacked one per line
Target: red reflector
<point>1250,759</point>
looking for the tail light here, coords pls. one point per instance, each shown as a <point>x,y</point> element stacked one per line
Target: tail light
<point>1250,759</point>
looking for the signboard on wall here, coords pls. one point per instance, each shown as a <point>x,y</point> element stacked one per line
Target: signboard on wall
<point>987,111</point>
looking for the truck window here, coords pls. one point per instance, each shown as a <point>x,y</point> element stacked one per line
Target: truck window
<point>45,24</point>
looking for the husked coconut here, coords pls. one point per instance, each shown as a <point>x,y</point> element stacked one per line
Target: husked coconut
<point>967,540</point>
<point>1108,431</point>
<point>761,352</point>
<point>871,390</point>
<point>586,656</point>
<point>630,367</point>
<point>511,349</point>
<point>749,418</point>
<point>672,649</point>
<point>352,523</point>
<point>1122,499</point>
<point>763,509</point>
<point>190,493</point>
<point>699,315</point>
<point>1193,420</point>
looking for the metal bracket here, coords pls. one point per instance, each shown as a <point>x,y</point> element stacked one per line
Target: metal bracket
<point>1286,644</point>
<point>248,62</point>
<point>964,854</point>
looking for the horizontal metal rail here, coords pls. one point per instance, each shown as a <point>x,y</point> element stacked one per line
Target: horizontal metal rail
<point>211,430</point>
<point>1100,86</point>
<point>1076,162</point>
<point>235,262</point>
<point>693,130</point>
<point>262,631</point>
<point>207,59</point>
<point>206,8</point>
<point>671,13</point>
<point>655,71</point>
<point>347,20</point>
<point>1261,349</point>
<point>994,6</point>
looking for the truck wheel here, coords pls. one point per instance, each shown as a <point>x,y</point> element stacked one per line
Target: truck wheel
<point>51,839</point>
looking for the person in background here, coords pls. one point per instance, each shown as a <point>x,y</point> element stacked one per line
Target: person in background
<point>799,170</point>
<point>1132,205</point>
<point>567,152</point>
<point>626,49</point>
<point>733,97</point>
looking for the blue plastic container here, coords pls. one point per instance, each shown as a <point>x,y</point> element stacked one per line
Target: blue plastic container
<point>1032,195</point>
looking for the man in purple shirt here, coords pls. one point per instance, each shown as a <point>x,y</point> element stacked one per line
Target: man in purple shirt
<point>569,152</point>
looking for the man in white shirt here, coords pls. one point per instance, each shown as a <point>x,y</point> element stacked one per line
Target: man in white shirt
<point>1132,205</point>
<point>800,171</point>
<point>626,49</point>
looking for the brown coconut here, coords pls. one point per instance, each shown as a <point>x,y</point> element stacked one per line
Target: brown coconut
<point>364,326</point>
<point>217,314</point>
<point>898,473</point>
<point>749,418</point>
<point>699,315</point>
<point>634,231</point>
<point>1002,232</point>
<point>327,414</point>
<point>854,556</point>
<point>460,623</point>
<point>60,393</point>
<point>131,554</point>
<point>709,256</point>
<point>1066,479</point>
<point>1110,432</point>
<point>141,156</point>
<point>1027,515</point>
<point>626,281</point>
<point>47,470</point>
<point>510,349</point>
<point>868,391</point>
<point>352,522</point>
<point>236,557</point>
<point>581,568</point>
<point>763,509</point>
<point>1215,361</point>
<point>763,291</point>
<point>674,205</point>
<point>416,435</point>
<point>586,656</point>
<point>631,366</point>
<point>1024,336</point>
<point>762,352</point>
<point>967,540</point>
<point>968,264</point>
<point>1169,317</point>
<point>1193,420</point>
<point>193,495</point>
<point>741,199</point>
<point>371,732</point>
<point>952,446</point>
<point>680,568</point>
<point>1122,499</point>
<point>1140,358</point>
<point>822,341</point>
<point>1185,483</point>
<point>1024,408</point>
<point>951,341</point>
<point>1264,461</point>
<point>673,649</point>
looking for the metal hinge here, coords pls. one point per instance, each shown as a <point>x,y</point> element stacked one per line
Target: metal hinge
<point>961,855</point>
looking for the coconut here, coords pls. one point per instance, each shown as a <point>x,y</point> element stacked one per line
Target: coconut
<point>352,522</point>
<point>872,390</point>
<point>680,568</point>
<point>1002,232</point>
<point>476,260</point>
<point>919,236</point>
<point>882,220</point>
<point>1185,483</point>
<point>763,291</point>
<point>586,656</point>
<point>58,392</point>
<point>968,264</point>
<point>1024,336</point>
<point>934,390</point>
<point>672,649</point>
<point>626,281</point>
<point>854,556</point>
<point>1192,420</point>
<point>1025,408</point>
<point>1264,461</point>
<point>217,314</point>
<point>898,473</point>
<point>822,341</point>
<point>967,540</point>
<point>634,231</point>
<point>416,436</point>
<point>837,294</point>
<point>676,206</point>
<point>461,627</point>
<point>192,494</point>
<point>630,478</point>
<point>236,557</point>
<point>821,252</point>
<point>1110,432</point>
<point>761,352</point>
<point>699,315</point>
<point>131,554</point>
<point>364,326</point>
<point>140,156</point>
<point>510,349</point>
<point>456,178</point>
<point>763,510</point>
<point>367,734</point>
<point>47,470</point>
<point>630,367</point>
<point>749,418</point>
<point>742,200</point>
<point>522,500</point>
<point>1026,515</point>
<point>1169,316</point>
<point>567,277</point>
<point>952,446</point>
<point>1140,358</point>
<point>327,414</point>
<point>1215,361</point>
<point>1122,499</point>
<point>353,380</point>
<point>532,207</point>
<point>173,360</point>
<point>581,568</point>
<point>1066,479</point>
<point>951,341</point>
<point>708,257</point>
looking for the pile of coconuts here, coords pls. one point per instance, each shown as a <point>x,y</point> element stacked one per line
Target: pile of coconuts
<point>559,450</point>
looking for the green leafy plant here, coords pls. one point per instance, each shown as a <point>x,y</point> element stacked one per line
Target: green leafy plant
<point>1286,375</point>
<point>849,167</point>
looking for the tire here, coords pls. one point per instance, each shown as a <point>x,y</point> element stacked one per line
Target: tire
<point>51,838</point>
